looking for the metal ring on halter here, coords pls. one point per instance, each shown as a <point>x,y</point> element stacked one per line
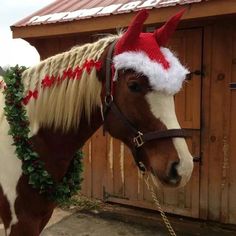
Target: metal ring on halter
<point>142,167</point>
<point>138,140</point>
<point>108,99</point>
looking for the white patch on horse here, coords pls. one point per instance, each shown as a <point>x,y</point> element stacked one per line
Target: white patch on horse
<point>10,165</point>
<point>8,231</point>
<point>163,108</point>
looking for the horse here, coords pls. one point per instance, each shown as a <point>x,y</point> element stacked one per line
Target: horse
<point>124,82</point>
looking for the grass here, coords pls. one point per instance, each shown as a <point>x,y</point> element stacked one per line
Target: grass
<point>80,202</point>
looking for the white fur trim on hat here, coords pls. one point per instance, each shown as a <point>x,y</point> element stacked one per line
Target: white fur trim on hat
<point>167,80</point>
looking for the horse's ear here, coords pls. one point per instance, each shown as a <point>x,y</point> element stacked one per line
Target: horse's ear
<point>164,33</point>
<point>135,28</point>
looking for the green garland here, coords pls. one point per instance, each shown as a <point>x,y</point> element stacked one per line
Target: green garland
<point>32,166</point>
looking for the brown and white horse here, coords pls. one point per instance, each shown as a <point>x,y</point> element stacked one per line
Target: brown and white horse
<point>74,99</point>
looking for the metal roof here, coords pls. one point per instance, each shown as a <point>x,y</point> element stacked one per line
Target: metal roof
<point>72,10</point>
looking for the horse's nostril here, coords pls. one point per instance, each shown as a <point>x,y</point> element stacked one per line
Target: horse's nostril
<point>173,173</point>
<point>173,176</point>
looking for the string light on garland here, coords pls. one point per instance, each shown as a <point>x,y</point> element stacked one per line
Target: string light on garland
<point>32,166</point>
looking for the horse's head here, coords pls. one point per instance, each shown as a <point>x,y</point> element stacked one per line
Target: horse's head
<point>142,113</point>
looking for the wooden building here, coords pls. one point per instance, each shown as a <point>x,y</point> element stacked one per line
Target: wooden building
<point>206,43</point>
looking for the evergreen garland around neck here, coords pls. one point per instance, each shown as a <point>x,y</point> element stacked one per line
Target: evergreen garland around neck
<point>32,166</point>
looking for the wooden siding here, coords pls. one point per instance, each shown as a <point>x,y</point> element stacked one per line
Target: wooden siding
<point>232,142</point>
<point>218,140</point>
<point>208,104</point>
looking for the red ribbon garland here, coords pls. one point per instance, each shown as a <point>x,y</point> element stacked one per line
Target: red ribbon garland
<point>69,73</point>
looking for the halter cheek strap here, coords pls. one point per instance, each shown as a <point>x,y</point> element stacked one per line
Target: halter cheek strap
<point>138,138</point>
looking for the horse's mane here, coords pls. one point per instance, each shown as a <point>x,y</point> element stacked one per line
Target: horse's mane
<point>61,106</point>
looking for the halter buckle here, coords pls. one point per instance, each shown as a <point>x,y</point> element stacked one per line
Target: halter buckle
<point>138,140</point>
<point>108,99</point>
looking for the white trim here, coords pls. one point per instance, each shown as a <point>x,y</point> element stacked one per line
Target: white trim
<point>168,80</point>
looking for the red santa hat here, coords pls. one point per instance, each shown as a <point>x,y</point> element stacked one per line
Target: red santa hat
<point>145,53</point>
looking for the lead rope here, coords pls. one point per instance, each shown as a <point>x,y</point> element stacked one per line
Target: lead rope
<point>158,205</point>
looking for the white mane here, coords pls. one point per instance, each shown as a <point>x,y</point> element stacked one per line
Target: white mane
<point>61,106</point>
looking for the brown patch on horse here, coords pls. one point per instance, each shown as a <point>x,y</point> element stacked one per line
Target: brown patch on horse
<point>56,150</point>
<point>159,156</point>
<point>5,211</point>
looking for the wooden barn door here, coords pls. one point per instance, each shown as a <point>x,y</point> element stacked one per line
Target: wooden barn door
<point>188,45</point>
<point>110,172</point>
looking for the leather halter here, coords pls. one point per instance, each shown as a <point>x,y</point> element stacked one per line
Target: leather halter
<point>138,137</point>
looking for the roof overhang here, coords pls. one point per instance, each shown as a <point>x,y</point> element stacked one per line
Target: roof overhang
<point>205,9</point>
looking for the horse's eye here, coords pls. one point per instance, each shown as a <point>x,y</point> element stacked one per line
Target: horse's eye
<point>134,86</point>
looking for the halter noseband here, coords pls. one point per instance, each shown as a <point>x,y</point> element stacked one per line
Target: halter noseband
<point>139,138</point>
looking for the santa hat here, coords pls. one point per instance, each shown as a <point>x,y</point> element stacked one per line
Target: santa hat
<point>146,54</point>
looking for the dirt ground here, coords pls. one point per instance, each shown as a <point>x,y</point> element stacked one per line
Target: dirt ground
<point>89,225</point>
<point>128,222</point>
<point>121,221</point>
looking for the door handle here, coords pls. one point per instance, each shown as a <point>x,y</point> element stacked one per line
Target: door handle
<point>196,159</point>
<point>196,72</point>
<point>232,85</point>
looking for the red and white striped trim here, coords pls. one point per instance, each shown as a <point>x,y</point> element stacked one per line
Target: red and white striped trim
<point>166,80</point>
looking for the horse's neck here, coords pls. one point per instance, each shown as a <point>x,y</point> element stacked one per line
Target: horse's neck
<point>57,149</point>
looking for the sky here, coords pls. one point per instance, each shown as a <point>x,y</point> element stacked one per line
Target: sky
<point>17,51</point>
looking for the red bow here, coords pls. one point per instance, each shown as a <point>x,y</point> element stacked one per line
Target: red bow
<point>31,94</point>
<point>98,65</point>
<point>88,65</point>
<point>77,72</point>
<point>48,81</point>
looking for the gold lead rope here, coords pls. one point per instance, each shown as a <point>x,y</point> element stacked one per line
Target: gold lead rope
<point>158,205</point>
